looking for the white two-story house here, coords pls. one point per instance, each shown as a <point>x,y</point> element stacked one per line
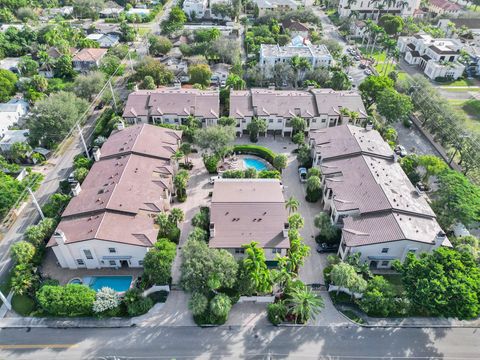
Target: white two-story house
<point>437,58</point>
<point>367,9</point>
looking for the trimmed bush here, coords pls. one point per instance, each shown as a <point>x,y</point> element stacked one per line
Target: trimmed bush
<point>68,300</point>
<point>277,312</point>
<point>140,307</point>
<point>263,152</point>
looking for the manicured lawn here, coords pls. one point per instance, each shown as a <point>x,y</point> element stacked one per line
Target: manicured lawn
<point>471,108</point>
<point>460,82</point>
<point>23,304</point>
<point>461,89</point>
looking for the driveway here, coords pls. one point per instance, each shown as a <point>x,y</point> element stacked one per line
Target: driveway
<point>414,141</point>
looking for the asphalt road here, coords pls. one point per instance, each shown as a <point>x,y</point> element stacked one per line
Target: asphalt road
<point>250,343</point>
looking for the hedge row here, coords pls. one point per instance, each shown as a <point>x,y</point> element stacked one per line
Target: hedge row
<point>260,151</point>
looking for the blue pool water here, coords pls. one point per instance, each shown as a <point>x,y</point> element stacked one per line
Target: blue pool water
<point>254,163</point>
<point>117,283</point>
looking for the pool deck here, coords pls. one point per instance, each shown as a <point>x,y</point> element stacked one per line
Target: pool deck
<point>49,268</point>
<point>240,165</point>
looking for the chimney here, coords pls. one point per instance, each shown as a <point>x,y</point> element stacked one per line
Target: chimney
<point>369,126</point>
<point>59,237</point>
<point>76,189</point>
<point>212,230</point>
<point>439,239</point>
<point>286,227</point>
<point>120,125</point>
<point>96,153</point>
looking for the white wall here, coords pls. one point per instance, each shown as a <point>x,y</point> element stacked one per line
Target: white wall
<point>68,254</point>
<point>269,255</point>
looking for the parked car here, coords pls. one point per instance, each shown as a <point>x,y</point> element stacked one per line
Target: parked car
<point>326,248</point>
<point>367,72</point>
<point>214,178</point>
<point>362,66</point>
<point>302,173</point>
<point>71,177</point>
<point>400,150</point>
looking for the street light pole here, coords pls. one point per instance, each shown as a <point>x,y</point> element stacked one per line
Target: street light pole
<point>83,140</point>
<point>35,202</point>
<point>113,95</point>
<point>5,301</point>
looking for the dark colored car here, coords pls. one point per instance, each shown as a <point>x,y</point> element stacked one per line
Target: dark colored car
<point>362,66</point>
<point>326,248</point>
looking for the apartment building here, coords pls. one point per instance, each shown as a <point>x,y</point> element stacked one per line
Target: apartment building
<point>367,9</point>
<point>109,223</point>
<point>172,106</point>
<point>437,58</point>
<point>246,210</point>
<point>367,194</point>
<point>321,108</point>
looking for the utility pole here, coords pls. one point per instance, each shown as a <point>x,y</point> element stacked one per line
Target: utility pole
<point>35,202</point>
<point>130,61</point>
<point>5,301</point>
<point>113,95</point>
<point>83,140</point>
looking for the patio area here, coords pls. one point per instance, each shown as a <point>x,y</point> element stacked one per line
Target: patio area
<point>51,269</point>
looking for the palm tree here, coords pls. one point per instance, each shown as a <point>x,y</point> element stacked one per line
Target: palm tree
<point>299,64</point>
<point>176,216</point>
<point>177,156</point>
<point>256,267</point>
<point>186,149</point>
<point>305,304</point>
<point>297,253</point>
<point>292,205</point>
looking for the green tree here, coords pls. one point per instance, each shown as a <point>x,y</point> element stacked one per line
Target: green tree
<point>200,74</point>
<point>180,181</point>
<point>345,275</point>
<point>373,86</point>
<point>235,82</point>
<point>53,117</point>
<point>277,312</point>
<point>19,151</point>
<point>111,65</point>
<point>55,205</point>
<point>158,262</point>
<point>24,279</point>
<point>7,84</point>
<point>328,232</point>
<point>299,66</point>
<point>256,126</point>
<point>159,45</point>
<point>456,200</point>
<point>432,166</point>
<point>39,83</point>
<point>442,283</point>
<point>150,67</point>
<point>292,205</point>
<point>64,68</point>
<point>256,268</point>
<point>214,138</point>
<point>175,20</point>
<point>220,307</point>
<point>314,172</point>
<point>148,83</point>
<point>314,187</point>
<point>198,304</point>
<point>379,298</point>
<point>68,300</point>
<point>393,105</point>
<point>22,252</point>
<point>200,264</point>
<point>305,304</point>
<point>303,155</point>
<point>80,174</point>
<point>280,162</point>
<point>211,162</point>
<point>339,81</point>
<point>27,66</point>
<point>298,139</point>
<point>295,221</point>
<point>298,124</point>
<point>392,24</point>
<point>88,86</point>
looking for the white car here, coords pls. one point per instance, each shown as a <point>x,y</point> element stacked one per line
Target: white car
<point>214,178</point>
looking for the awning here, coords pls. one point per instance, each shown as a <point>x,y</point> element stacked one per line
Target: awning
<point>380,257</point>
<point>116,257</point>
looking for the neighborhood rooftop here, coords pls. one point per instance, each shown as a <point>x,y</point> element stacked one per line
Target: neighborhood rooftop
<point>290,103</point>
<point>173,101</point>
<point>245,210</point>
<point>307,51</point>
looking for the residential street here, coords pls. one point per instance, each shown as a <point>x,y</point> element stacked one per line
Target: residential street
<point>265,342</point>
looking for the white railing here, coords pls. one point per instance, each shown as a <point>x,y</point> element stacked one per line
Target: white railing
<point>257,299</point>
<point>156,288</point>
<point>344,290</point>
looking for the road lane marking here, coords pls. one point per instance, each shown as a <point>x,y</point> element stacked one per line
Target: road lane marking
<point>37,346</point>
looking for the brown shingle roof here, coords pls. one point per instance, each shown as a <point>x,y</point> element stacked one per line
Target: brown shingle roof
<point>445,5</point>
<point>90,55</point>
<point>173,101</point>
<point>245,210</point>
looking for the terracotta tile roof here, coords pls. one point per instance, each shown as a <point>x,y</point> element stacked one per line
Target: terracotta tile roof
<point>89,55</point>
<point>248,210</point>
<point>142,139</point>
<point>107,226</point>
<point>445,5</point>
<point>347,140</point>
<point>173,101</point>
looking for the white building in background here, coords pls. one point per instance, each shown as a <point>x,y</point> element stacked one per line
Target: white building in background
<point>317,55</point>
<point>435,57</point>
<point>265,6</point>
<point>11,113</point>
<point>195,8</point>
<point>367,9</point>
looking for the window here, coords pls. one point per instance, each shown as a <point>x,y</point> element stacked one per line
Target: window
<point>276,251</point>
<point>112,262</point>
<point>239,251</point>
<point>140,262</point>
<point>88,254</point>
<point>384,250</point>
<point>112,250</point>
<point>270,120</point>
<point>385,263</point>
<point>80,262</point>
<point>279,121</point>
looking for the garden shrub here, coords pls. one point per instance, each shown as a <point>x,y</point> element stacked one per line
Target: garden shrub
<point>326,274</point>
<point>106,299</point>
<point>211,163</point>
<point>269,174</point>
<point>174,235</point>
<point>140,306</point>
<point>68,300</point>
<point>263,152</point>
<point>23,304</point>
<point>202,218</point>
<point>277,312</point>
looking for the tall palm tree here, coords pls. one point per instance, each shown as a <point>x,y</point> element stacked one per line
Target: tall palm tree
<point>292,205</point>
<point>186,149</point>
<point>176,216</point>
<point>257,268</point>
<point>305,304</point>
<point>299,65</point>
<point>177,156</point>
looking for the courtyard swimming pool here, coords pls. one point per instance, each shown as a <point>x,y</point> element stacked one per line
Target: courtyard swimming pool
<point>254,163</point>
<point>117,283</point>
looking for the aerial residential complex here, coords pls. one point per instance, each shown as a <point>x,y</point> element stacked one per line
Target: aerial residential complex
<point>320,107</point>
<point>172,106</point>
<point>437,58</point>
<point>246,210</point>
<point>367,9</point>
<point>366,192</point>
<point>110,220</point>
